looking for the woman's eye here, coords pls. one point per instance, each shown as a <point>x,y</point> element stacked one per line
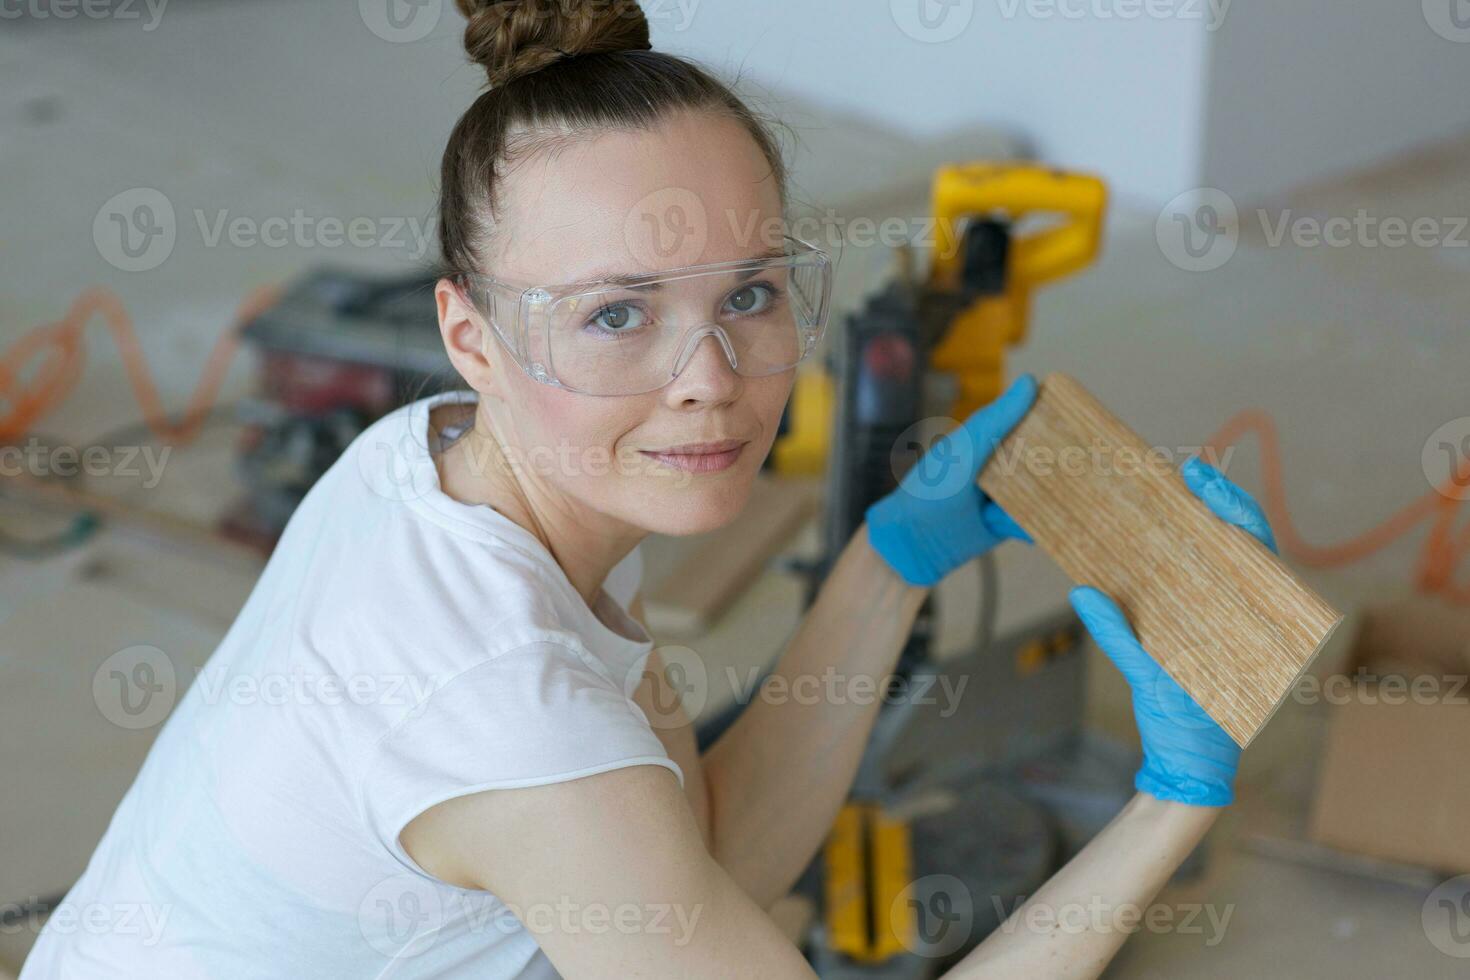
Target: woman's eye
<point>751,299</point>
<point>620,318</point>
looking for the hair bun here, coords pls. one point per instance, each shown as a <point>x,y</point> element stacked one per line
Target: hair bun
<point>513,38</point>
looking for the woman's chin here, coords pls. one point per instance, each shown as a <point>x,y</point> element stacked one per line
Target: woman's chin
<point>697,507</point>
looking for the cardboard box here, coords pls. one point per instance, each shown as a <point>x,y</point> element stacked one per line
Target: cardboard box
<point>1395,778</point>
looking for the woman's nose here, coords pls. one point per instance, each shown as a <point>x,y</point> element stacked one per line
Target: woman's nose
<point>705,370</point>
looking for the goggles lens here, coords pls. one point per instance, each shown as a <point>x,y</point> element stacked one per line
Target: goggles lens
<point>637,336</point>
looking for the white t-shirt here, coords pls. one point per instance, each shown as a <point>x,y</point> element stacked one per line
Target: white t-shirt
<point>400,648</point>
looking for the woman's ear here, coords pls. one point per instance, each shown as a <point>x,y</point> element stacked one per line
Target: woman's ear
<point>460,326</point>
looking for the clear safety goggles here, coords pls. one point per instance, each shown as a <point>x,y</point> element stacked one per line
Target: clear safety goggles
<point>633,334</point>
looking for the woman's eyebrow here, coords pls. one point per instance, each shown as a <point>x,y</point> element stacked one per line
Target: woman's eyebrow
<point>626,280</point>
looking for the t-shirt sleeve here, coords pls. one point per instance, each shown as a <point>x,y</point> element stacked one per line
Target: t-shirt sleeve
<point>536,714</point>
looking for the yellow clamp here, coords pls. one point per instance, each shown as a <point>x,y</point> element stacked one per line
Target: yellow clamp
<point>868,865</point>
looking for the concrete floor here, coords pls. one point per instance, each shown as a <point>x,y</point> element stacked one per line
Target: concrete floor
<point>1356,351</point>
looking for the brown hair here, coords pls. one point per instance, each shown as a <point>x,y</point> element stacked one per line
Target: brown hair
<point>556,68</point>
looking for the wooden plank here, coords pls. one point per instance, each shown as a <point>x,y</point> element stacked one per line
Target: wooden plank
<point>1219,612</point>
<point>718,566</point>
<point>156,525</point>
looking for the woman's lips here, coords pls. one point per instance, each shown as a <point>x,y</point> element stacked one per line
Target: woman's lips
<point>699,462</point>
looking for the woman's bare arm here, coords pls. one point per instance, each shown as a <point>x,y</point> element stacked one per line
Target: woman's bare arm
<point>610,876</point>
<point>1075,923</point>
<point>1071,928</point>
<point>660,701</point>
<point>781,772</point>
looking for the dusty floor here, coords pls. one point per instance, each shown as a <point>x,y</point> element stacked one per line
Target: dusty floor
<point>1356,351</point>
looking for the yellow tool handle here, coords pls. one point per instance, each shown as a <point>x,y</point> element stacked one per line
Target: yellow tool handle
<point>978,189</point>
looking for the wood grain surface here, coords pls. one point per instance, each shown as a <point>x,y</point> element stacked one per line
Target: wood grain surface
<point>1219,612</point>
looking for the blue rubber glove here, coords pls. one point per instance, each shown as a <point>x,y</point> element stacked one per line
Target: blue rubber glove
<point>938,518</point>
<point>1187,756</point>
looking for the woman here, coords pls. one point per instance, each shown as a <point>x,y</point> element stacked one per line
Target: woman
<point>436,742</point>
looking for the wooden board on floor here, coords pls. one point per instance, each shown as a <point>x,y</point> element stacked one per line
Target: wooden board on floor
<point>1219,612</point>
<point>716,567</point>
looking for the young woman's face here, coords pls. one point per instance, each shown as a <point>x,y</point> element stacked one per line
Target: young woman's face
<point>694,191</point>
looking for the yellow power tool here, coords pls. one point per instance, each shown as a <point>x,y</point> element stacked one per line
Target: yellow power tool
<point>1001,230</point>
<point>1003,264</point>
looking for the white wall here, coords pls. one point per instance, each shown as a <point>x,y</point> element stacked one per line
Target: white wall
<point>1118,97</point>
<point>1158,96</point>
<point>1301,89</point>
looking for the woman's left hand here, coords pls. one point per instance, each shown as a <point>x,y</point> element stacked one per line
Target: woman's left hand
<point>1187,756</point>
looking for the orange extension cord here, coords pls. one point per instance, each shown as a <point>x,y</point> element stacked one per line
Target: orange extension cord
<point>27,402</point>
<point>1443,550</point>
